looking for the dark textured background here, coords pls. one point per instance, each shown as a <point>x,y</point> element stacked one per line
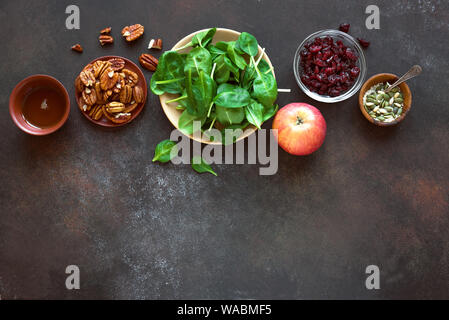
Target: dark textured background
<point>91,196</point>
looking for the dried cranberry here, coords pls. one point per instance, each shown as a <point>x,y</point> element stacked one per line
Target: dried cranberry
<point>364,43</point>
<point>355,71</point>
<point>350,54</point>
<point>344,27</point>
<point>315,48</point>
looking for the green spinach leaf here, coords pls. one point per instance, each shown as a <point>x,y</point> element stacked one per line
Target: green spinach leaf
<point>186,120</point>
<point>169,75</point>
<point>235,56</point>
<point>165,151</point>
<point>198,59</point>
<point>255,113</point>
<point>200,166</point>
<point>232,97</point>
<point>248,44</point>
<point>229,116</point>
<point>265,89</point>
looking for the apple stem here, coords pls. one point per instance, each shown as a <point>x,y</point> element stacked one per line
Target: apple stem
<point>299,121</point>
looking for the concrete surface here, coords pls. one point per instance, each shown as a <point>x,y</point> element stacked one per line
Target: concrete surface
<point>90,196</point>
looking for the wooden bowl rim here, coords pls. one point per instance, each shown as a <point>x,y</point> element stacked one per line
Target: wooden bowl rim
<point>376,79</point>
<point>162,98</point>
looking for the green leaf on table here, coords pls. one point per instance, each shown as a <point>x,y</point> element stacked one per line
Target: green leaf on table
<point>165,151</point>
<point>200,166</point>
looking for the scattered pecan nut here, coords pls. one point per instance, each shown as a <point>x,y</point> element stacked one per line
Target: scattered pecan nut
<point>138,94</point>
<point>155,44</point>
<point>87,77</point>
<point>117,64</point>
<point>89,96</point>
<point>77,48</point>
<point>105,39</point>
<point>106,30</point>
<point>108,79</point>
<point>133,32</point>
<point>148,61</point>
<point>126,94</point>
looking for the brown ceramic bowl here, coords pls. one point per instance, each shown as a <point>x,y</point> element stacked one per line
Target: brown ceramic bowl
<point>142,83</point>
<point>20,93</point>
<point>170,110</point>
<point>380,78</point>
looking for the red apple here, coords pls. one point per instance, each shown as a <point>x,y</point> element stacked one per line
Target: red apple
<point>301,128</point>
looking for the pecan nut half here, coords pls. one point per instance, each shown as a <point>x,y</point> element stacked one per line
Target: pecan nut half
<point>126,94</point>
<point>119,85</point>
<point>108,79</point>
<point>148,61</point>
<point>96,112</point>
<point>119,118</point>
<point>106,30</point>
<point>105,39</point>
<point>133,32</point>
<point>155,44</point>
<point>130,108</point>
<point>89,96</point>
<point>138,94</point>
<point>87,77</point>
<point>77,48</point>
<point>78,84</point>
<point>115,107</point>
<point>117,64</point>
<point>99,67</point>
<point>131,78</point>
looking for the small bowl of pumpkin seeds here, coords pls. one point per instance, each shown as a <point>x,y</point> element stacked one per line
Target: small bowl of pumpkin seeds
<point>383,107</point>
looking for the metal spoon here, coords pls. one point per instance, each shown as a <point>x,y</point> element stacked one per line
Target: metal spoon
<point>413,72</point>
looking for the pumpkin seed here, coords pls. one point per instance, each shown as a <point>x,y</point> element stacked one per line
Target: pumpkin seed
<point>398,100</point>
<point>399,112</point>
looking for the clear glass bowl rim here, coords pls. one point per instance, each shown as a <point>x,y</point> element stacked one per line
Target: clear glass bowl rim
<point>362,61</point>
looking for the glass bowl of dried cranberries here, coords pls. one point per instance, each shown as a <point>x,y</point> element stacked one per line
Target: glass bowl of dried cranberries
<point>329,66</point>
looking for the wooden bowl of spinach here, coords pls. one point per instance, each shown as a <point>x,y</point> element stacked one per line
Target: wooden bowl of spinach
<point>220,78</point>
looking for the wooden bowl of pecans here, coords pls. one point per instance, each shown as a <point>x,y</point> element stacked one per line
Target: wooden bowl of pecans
<point>111,91</point>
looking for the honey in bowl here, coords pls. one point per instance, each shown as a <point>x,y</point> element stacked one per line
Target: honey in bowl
<point>43,107</point>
